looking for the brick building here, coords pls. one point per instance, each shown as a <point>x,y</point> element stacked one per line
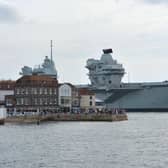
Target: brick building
<point>36,93</point>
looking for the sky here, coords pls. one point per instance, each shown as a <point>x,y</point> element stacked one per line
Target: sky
<point>136,30</point>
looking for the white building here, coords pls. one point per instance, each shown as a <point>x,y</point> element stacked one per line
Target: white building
<point>87,99</point>
<point>68,97</point>
<point>6,88</point>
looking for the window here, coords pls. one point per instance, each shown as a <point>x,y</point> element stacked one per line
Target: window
<point>40,91</point>
<point>35,90</point>
<point>18,101</point>
<point>26,101</point>
<point>35,101</point>
<point>90,97</point>
<point>41,101</point>
<point>67,101</point>
<point>22,101</point>
<point>45,101</point>
<point>32,90</point>
<point>45,91</point>
<point>50,91</point>
<point>26,91</point>
<point>90,103</point>
<point>17,91</point>
<point>50,101</point>
<point>75,103</point>
<point>55,101</point>
<point>55,91</point>
<point>62,101</point>
<point>22,91</point>
<point>109,81</point>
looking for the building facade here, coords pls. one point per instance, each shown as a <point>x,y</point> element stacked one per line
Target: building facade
<point>68,97</point>
<point>6,88</point>
<point>36,93</point>
<point>87,99</point>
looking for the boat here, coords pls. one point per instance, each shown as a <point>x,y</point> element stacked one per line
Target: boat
<point>106,76</point>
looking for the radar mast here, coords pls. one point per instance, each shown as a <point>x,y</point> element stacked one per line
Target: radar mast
<point>51,45</point>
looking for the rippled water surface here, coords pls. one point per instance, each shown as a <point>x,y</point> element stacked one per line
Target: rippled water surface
<point>140,142</point>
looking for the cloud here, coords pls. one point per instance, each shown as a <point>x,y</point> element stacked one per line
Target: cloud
<point>8,14</point>
<point>157,1</point>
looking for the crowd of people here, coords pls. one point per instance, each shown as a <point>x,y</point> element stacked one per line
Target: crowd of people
<point>70,111</point>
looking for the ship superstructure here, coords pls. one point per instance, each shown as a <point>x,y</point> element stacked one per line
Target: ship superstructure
<point>47,68</point>
<point>106,75</point>
<point>106,72</point>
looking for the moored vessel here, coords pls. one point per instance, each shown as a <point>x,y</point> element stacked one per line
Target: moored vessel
<point>106,75</point>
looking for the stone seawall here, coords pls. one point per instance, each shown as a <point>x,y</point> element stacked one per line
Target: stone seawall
<point>87,117</point>
<point>2,121</point>
<point>68,117</point>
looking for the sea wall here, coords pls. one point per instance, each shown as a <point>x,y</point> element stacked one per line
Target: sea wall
<point>68,117</point>
<point>87,117</point>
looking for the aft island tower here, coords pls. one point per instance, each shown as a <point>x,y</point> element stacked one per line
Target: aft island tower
<point>105,73</point>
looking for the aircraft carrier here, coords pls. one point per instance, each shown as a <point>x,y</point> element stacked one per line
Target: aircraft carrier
<point>106,75</point>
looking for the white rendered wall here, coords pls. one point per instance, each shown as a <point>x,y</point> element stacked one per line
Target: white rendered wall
<point>64,91</point>
<point>3,93</point>
<point>85,101</point>
<point>2,112</point>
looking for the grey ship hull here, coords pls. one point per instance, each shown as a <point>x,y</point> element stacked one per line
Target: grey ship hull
<point>137,97</point>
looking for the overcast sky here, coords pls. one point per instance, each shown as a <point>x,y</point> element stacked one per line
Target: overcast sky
<point>80,29</point>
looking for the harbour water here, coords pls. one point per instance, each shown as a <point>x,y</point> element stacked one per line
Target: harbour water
<point>139,142</point>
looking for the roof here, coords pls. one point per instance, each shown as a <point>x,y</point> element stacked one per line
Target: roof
<point>7,85</point>
<point>84,91</point>
<point>36,80</point>
<point>72,86</point>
